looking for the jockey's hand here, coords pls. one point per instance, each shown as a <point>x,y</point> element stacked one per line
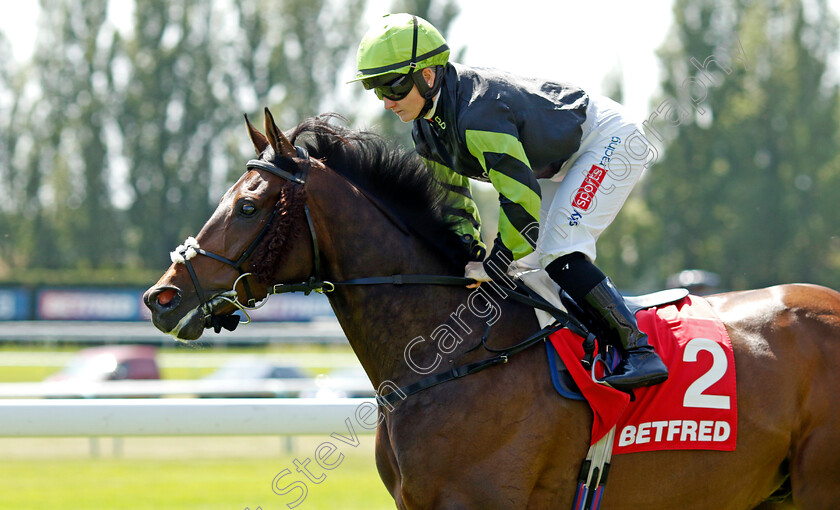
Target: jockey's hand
<point>475,270</point>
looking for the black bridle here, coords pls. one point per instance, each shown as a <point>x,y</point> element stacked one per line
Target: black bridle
<point>296,172</point>
<point>287,169</point>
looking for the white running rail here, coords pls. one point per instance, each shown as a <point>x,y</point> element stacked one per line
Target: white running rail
<point>185,417</point>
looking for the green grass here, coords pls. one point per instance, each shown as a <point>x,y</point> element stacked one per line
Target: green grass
<point>56,474</point>
<point>36,373</point>
<point>26,374</point>
<point>229,484</point>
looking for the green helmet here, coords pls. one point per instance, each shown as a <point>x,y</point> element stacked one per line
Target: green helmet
<point>403,43</point>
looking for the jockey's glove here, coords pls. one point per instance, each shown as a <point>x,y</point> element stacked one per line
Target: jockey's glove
<point>475,270</point>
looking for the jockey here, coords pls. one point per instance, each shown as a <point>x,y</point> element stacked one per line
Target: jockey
<point>553,152</point>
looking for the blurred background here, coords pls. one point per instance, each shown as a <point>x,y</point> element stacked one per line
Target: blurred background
<point>121,126</point>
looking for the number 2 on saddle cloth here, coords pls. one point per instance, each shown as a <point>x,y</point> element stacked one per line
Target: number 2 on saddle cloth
<point>695,409</point>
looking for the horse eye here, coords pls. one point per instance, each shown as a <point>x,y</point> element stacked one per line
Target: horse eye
<point>247,209</point>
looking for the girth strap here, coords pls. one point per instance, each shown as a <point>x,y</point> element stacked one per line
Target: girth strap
<point>593,474</point>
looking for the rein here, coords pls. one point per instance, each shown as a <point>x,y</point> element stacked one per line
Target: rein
<point>287,170</point>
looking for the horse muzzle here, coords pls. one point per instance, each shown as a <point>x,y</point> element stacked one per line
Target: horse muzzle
<point>171,315</point>
<point>167,313</point>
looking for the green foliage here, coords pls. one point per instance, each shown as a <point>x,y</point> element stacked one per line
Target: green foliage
<point>57,187</point>
<point>744,186</point>
<point>119,145</point>
<point>116,146</point>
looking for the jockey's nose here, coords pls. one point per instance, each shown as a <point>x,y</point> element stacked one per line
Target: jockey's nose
<point>162,298</point>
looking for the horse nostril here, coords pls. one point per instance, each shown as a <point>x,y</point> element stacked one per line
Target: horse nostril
<point>166,297</point>
<point>162,298</point>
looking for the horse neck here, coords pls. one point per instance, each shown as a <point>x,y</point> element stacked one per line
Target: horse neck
<point>381,320</point>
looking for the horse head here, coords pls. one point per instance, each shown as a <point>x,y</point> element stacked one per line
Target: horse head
<point>356,208</point>
<point>247,244</point>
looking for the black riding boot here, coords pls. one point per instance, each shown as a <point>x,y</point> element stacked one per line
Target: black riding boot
<point>641,365</point>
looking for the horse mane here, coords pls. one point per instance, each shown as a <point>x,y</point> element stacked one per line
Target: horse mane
<point>397,178</point>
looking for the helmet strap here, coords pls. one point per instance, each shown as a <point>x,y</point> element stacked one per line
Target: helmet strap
<point>413,62</point>
<point>417,75</point>
<point>425,90</point>
<point>422,87</point>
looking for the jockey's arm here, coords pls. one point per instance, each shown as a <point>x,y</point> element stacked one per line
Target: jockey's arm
<point>460,207</point>
<point>505,163</point>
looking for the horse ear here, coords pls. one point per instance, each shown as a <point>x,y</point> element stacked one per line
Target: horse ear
<point>260,142</point>
<point>277,139</point>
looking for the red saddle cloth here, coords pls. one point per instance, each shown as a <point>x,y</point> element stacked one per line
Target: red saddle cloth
<point>695,409</point>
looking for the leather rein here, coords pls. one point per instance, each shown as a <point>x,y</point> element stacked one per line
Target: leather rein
<point>296,172</point>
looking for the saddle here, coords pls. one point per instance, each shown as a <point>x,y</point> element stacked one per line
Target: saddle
<point>560,377</point>
<point>696,408</point>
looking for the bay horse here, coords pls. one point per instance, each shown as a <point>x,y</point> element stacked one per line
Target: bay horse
<point>501,438</point>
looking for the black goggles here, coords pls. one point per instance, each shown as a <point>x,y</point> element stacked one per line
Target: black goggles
<point>396,89</point>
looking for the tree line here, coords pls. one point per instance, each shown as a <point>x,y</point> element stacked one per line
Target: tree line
<point>114,146</point>
<point>746,183</point>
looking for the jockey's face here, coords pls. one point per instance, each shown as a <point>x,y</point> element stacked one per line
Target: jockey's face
<point>409,107</point>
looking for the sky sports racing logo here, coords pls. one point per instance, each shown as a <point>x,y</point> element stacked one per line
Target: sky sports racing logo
<point>591,183</point>
<point>586,193</point>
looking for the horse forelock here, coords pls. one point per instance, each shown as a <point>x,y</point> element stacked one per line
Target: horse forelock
<point>268,154</point>
<point>396,177</point>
